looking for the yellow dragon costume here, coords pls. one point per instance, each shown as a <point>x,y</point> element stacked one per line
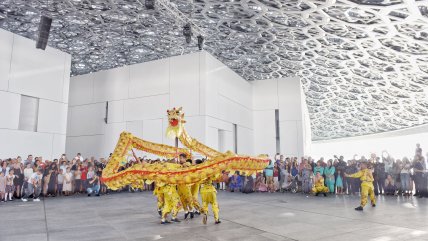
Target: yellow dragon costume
<point>165,174</point>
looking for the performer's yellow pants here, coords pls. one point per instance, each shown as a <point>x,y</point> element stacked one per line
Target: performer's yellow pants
<point>366,190</point>
<point>158,192</point>
<point>185,197</point>
<point>172,201</point>
<point>319,189</point>
<point>194,189</point>
<point>210,198</point>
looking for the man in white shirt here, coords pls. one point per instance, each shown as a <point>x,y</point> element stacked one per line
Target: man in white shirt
<point>34,186</point>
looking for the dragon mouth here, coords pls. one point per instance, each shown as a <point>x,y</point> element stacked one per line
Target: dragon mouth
<point>173,122</point>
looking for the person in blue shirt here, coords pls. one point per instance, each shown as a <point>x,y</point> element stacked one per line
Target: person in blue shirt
<point>329,171</point>
<point>235,184</point>
<point>269,176</point>
<point>319,169</point>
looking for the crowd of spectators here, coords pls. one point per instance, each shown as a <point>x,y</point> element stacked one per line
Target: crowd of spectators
<point>404,177</point>
<point>35,177</point>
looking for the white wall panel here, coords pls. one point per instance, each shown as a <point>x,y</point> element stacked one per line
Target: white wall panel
<point>212,137</point>
<point>111,136</point>
<point>81,90</point>
<point>150,78</point>
<point>245,141</point>
<point>25,142</point>
<point>52,117</point>
<point>66,84</point>
<point>235,88</point>
<point>212,67</point>
<point>146,108</point>
<point>265,94</point>
<point>87,120</point>
<point>135,128</point>
<point>152,131</point>
<point>58,146</point>
<point>112,84</point>
<point>219,124</point>
<point>35,72</point>
<point>87,145</point>
<point>6,46</point>
<point>290,101</point>
<point>289,136</point>
<point>195,126</point>
<point>115,111</point>
<point>264,132</point>
<point>9,106</point>
<point>228,141</point>
<point>184,83</point>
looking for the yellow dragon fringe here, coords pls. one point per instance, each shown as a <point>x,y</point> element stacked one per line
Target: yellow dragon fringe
<point>164,172</point>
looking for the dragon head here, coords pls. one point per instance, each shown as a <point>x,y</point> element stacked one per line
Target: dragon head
<point>175,122</point>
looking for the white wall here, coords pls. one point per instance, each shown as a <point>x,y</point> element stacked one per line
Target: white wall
<point>25,70</point>
<point>286,95</point>
<point>398,143</point>
<point>138,97</point>
<point>214,99</point>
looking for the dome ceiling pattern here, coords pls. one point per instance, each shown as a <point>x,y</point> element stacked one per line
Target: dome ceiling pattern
<point>363,63</point>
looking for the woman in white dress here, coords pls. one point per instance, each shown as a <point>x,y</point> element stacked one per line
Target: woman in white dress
<point>66,187</point>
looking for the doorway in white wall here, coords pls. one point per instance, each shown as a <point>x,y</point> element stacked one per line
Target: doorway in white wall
<point>221,140</point>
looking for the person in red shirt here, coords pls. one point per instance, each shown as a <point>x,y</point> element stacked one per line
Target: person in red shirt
<point>84,178</point>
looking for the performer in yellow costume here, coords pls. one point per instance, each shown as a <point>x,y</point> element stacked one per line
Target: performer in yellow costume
<point>319,185</point>
<point>158,192</point>
<point>172,203</point>
<point>194,189</point>
<point>184,190</point>
<point>209,196</point>
<point>366,177</point>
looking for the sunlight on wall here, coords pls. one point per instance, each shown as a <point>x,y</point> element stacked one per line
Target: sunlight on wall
<point>398,147</point>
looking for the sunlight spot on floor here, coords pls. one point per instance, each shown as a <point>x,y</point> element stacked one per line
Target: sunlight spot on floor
<point>384,238</point>
<point>287,214</point>
<point>417,233</point>
<point>409,205</point>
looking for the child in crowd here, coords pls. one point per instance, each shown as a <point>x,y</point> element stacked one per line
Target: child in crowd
<point>10,188</point>
<point>339,182</point>
<point>2,186</point>
<point>307,176</point>
<point>60,181</point>
<point>224,179</point>
<point>390,187</point>
<point>66,187</point>
<point>262,187</point>
<point>77,180</point>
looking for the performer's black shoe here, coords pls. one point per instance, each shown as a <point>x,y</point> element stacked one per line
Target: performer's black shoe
<point>197,213</point>
<point>373,205</point>
<point>218,222</point>
<point>325,194</point>
<point>160,212</point>
<point>316,195</point>
<point>192,215</point>
<point>175,220</point>
<point>359,208</point>
<point>204,219</point>
<point>166,222</point>
<point>186,215</point>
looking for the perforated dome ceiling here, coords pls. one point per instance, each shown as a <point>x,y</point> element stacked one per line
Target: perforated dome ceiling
<point>363,63</point>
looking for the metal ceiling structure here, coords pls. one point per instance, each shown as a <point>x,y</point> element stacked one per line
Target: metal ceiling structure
<point>363,63</point>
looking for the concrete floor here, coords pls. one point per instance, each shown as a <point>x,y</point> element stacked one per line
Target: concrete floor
<point>132,216</point>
